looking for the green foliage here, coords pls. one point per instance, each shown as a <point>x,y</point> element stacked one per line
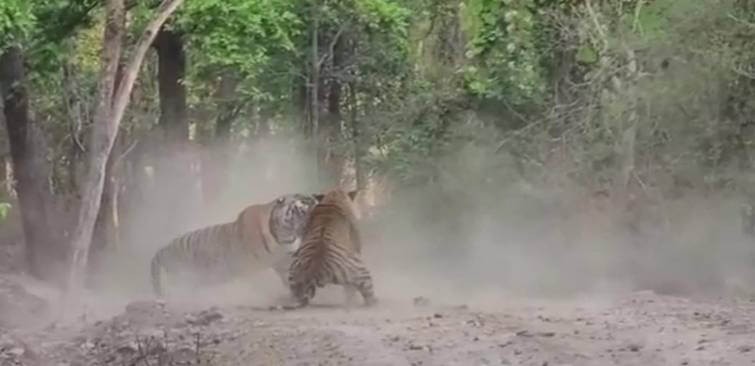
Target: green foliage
<point>5,208</point>
<point>238,34</point>
<point>17,21</point>
<point>504,51</point>
<point>559,83</point>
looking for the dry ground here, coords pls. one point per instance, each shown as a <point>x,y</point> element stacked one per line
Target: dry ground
<point>637,328</point>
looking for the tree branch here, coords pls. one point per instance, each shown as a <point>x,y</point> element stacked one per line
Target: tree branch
<point>333,42</point>
<point>132,69</point>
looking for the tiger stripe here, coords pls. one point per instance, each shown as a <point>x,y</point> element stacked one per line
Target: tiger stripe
<point>263,236</point>
<point>330,252</point>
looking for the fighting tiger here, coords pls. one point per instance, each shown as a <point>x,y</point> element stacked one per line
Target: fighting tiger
<point>330,253</point>
<point>261,237</point>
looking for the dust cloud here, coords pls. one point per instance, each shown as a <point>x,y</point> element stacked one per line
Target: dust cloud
<point>169,207</point>
<point>473,239</point>
<point>478,236</point>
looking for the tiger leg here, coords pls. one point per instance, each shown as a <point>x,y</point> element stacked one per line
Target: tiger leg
<point>363,282</point>
<point>350,293</point>
<point>156,275</point>
<point>281,268</point>
<point>302,293</point>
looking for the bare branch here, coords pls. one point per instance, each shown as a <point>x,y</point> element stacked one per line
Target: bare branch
<point>142,46</point>
<point>333,42</point>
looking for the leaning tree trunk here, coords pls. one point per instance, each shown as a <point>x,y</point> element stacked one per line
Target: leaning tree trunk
<point>105,232</point>
<point>108,114</point>
<point>105,236</point>
<point>29,167</point>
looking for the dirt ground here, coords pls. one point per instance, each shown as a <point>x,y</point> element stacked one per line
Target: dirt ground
<point>637,328</point>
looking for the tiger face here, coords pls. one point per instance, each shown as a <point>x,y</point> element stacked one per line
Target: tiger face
<point>288,218</point>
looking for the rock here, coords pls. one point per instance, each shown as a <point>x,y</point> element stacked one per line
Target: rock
<point>421,301</point>
<point>88,345</point>
<point>128,348</point>
<point>205,317</point>
<point>524,333</point>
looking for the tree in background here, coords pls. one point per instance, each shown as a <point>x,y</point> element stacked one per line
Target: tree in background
<point>45,24</point>
<point>588,97</point>
<point>111,102</point>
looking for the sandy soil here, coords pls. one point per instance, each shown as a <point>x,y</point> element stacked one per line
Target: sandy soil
<point>640,328</point>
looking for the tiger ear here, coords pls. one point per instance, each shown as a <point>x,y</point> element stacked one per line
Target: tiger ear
<point>318,196</point>
<point>279,200</point>
<point>353,194</point>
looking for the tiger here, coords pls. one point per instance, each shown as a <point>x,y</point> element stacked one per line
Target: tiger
<point>261,237</point>
<point>330,253</point>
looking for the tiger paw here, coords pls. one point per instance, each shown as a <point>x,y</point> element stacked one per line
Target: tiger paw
<point>284,307</point>
<point>369,302</point>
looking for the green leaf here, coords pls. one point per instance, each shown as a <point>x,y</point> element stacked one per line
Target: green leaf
<point>587,55</point>
<point>4,210</point>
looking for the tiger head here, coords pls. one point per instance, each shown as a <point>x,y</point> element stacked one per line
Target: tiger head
<point>288,217</point>
<point>340,198</point>
<point>335,195</point>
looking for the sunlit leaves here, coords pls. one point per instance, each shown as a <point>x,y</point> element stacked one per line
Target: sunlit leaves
<point>504,50</point>
<point>238,33</point>
<point>17,21</point>
<point>5,208</point>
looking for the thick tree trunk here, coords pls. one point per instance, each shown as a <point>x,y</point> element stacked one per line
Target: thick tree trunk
<point>28,151</point>
<point>108,114</point>
<point>173,176</point>
<point>171,71</point>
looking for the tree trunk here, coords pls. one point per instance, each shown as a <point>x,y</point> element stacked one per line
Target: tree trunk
<point>215,164</point>
<point>108,114</point>
<point>28,151</point>
<point>361,173</point>
<point>300,91</point>
<point>227,107</point>
<point>333,157</point>
<point>263,124</point>
<point>170,169</point>
<point>171,72</point>
<point>334,95</point>
<point>314,82</point>
<point>105,233</point>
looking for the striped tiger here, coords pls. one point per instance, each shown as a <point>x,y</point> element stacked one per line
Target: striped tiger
<point>262,236</point>
<point>330,252</point>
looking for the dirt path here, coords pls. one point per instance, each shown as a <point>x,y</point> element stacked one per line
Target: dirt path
<point>636,329</point>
